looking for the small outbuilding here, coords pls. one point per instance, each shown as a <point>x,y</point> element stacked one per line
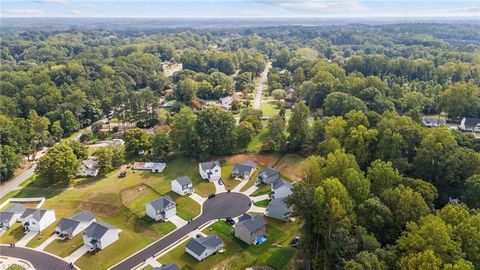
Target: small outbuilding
<point>182,185</point>
<point>149,166</point>
<point>201,247</point>
<point>100,235</point>
<point>161,209</point>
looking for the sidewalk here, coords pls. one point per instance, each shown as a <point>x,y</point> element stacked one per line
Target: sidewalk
<point>260,198</point>
<point>240,186</point>
<point>250,190</point>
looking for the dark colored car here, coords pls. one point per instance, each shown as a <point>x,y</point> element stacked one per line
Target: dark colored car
<point>295,242</point>
<point>212,195</point>
<point>122,174</point>
<point>230,221</point>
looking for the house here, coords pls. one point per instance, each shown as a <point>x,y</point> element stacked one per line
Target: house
<point>470,124</point>
<point>281,189</point>
<point>150,166</point>
<point>278,209</point>
<point>17,209</point>
<point>37,219</point>
<point>100,235</point>
<point>89,168</point>
<point>7,219</point>
<point>167,266</point>
<point>161,209</point>
<point>244,170</point>
<point>182,185</point>
<point>70,227</point>
<point>251,229</point>
<point>226,102</point>
<point>434,121</point>
<point>210,171</point>
<point>268,175</point>
<point>203,246</point>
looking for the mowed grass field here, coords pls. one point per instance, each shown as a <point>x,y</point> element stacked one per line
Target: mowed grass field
<point>239,255</point>
<point>118,201</point>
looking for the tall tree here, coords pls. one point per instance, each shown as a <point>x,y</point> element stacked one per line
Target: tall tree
<point>298,126</point>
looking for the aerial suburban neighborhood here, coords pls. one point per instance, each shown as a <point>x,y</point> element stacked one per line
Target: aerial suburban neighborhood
<point>239,135</point>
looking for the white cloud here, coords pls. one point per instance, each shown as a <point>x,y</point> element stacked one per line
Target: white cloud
<point>22,12</point>
<point>90,6</point>
<point>318,5</point>
<point>61,2</point>
<point>76,13</point>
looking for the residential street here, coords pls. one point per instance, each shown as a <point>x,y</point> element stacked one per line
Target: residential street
<point>39,260</point>
<point>221,206</point>
<point>260,86</point>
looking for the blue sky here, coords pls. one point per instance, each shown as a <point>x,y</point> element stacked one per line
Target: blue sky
<point>241,8</point>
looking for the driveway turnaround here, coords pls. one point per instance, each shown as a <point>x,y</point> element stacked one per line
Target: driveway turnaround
<point>221,206</point>
<point>39,260</point>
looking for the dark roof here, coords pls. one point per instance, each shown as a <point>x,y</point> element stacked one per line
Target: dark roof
<point>37,213</point>
<point>16,208</point>
<point>200,244</point>
<point>280,183</point>
<point>209,165</point>
<point>97,229</point>
<point>184,180</point>
<point>269,172</point>
<point>67,225</point>
<point>5,217</point>
<point>471,122</point>
<point>245,166</point>
<point>84,216</point>
<point>244,217</point>
<point>279,202</point>
<point>252,224</point>
<point>168,266</point>
<point>162,202</point>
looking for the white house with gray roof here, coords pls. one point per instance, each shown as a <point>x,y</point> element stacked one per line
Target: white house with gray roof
<point>278,209</point>
<point>210,171</point>
<point>182,185</point>
<point>203,246</point>
<point>251,229</point>
<point>244,170</point>
<point>167,266</point>
<point>89,168</point>
<point>70,227</point>
<point>268,175</point>
<point>7,219</point>
<point>37,219</point>
<point>100,235</point>
<point>281,189</point>
<point>161,209</point>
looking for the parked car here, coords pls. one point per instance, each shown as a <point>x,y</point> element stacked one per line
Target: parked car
<point>122,174</point>
<point>230,221</point>
<point>295,242</point>
<point>212,195</point>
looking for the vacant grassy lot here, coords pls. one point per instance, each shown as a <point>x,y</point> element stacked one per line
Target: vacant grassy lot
<point>239,255</point>
<point>291,167</point>
<point>256,144</point>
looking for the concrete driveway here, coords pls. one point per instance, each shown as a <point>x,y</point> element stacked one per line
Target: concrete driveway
<point>47,242</point>
<point>228,204</point>
<point>177,221</point>
<point>28,236</point>
<point>39,260</point>
<point>77,254</point>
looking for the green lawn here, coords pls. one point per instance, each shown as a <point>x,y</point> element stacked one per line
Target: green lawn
<point>253,179</point>
<point>256,144</point>
<point>13,234</point>
<point>63,248</point>
<point>42,236</point>
<point>239,255</point>
<point>263,203</point>
<point>229,181</point>
<point>269,108</point>
<point>15,267</point>
<point>262,190</point>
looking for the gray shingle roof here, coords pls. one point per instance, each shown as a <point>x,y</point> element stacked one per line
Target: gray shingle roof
<point>98,229</point>
<point>279,202</point>
<point>244,167</point>
<point>68,225</point>
<point>162,203</point>
<point>269,172</point>
<point>280,183</point>
<point>253,224</point>
<point>184,180</point>
<point>209,165</point>
<point>16,208</point>
<point>5,217</point>
<point>471,122</point>
<point>168,266</point>
<point>200,244</point>
<point>36,213</point>
<point>84,216</point>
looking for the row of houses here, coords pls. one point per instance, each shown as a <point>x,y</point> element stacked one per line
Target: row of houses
<point>467,124</point>
<point>96,234</point>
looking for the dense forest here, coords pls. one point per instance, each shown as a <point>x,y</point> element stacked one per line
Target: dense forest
<point>378,186</point>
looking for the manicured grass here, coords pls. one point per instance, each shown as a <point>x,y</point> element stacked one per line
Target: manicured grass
<point>253,179</point>
<point>269,108</point>
<point>63,248</point>
<point>148,267</point>
<point>42,236</point>
<point>13,234</point>
<point>262,190</point>
<point>15,267</point>
<point>239,255</point>
<point>187,208</point>
<point>229,181</point>
<point>263,203</point>
<point>256,144</point>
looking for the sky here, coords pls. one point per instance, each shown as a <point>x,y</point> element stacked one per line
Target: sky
<point>441,9</point>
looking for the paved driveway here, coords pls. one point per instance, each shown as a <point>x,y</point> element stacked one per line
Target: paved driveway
<point>38,259</point>
<point>221,206</point>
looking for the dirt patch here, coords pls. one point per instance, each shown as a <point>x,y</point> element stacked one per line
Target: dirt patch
<point>101,209</point>
<point>291,166</point>
<point>131,194</point>
<point>266,160</point>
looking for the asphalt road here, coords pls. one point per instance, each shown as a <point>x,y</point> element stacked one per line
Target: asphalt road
<point>39,260</point>
<point>15,183</point>
<point>221,206</point>
<point>260,87</point>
